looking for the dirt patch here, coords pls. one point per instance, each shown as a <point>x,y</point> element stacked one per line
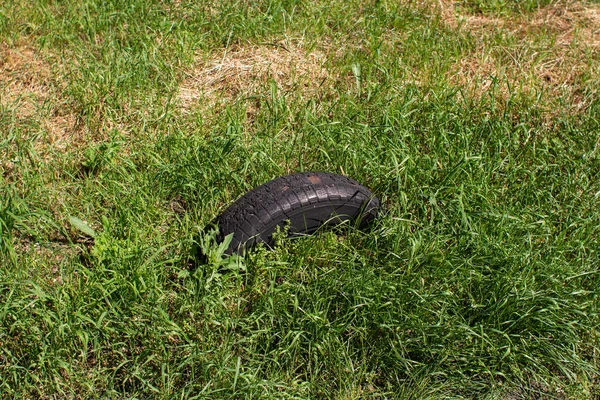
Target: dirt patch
<point>245,71</point>
<point>314,179</point>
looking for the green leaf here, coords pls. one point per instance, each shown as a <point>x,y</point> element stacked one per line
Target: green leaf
<point>82,226</point>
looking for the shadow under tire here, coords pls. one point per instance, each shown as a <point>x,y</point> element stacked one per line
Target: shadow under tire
<point>308,200</point>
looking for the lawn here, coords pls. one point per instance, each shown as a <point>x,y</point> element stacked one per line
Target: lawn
<point>127,126</point>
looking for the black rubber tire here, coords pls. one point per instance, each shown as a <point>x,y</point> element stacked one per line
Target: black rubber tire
<point>308,200</point>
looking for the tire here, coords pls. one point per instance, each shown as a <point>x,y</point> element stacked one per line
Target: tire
<point>308,200</point>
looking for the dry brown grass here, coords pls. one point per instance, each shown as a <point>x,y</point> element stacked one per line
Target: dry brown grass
<point>569,21</point>
<point>31,91</point>
<point>565,21</point>
<point>446,10</point>
<point>23,78</point>
<point>550,54</point>
<point>243,71</point>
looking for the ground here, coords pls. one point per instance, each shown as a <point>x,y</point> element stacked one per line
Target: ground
<point>127,126</point>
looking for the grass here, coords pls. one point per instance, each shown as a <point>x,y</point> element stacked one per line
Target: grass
<point>127,126</point>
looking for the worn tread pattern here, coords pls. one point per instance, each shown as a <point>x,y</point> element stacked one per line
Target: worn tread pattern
<point>307,199</point>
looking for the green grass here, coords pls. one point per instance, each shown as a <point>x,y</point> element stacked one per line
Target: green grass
<point>480,280</point>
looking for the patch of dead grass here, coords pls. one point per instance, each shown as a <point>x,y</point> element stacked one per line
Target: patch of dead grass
<point>63,131</point>
<point>23,78</point>
<point>31,91</point>
<point>549,55</point>
<point>570,21</point>
<point>245,71</point>
<point>447,11</point>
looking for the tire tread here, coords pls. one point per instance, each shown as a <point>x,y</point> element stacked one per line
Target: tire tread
<point>254,216</point>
